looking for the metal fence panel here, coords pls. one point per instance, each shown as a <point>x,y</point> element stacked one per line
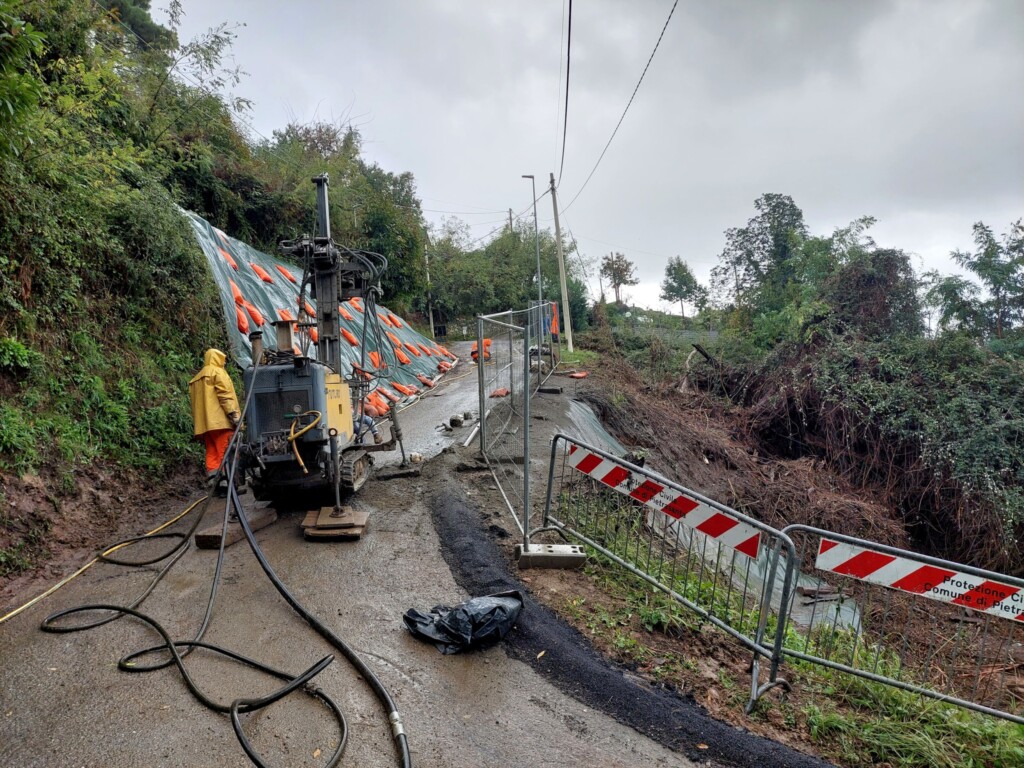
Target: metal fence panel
<point>941,629</point>
<point>516,355</point>
<point>678,541</point>
<point>504,395</point>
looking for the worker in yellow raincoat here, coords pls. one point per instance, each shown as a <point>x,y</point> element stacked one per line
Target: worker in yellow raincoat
<point>215,410</point>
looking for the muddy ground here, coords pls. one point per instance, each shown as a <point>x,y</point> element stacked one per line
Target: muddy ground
<point>544,696</point>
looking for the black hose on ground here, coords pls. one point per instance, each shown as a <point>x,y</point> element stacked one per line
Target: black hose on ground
<point>292,682</point>
<point>382,694</point>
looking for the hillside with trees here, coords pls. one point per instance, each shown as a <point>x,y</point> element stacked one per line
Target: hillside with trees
<point>836,350</point>
<point>111,125</point>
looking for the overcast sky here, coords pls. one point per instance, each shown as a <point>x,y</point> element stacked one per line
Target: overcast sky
<point>912,112</point>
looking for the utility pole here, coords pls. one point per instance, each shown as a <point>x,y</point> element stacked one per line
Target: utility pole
<point>566,317</point>
<point>510,229</point>
<point>430,303</point>
<point>536,237</point>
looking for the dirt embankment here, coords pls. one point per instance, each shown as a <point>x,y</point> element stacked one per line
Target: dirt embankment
<point>45,530</point>
<point>706,445</point>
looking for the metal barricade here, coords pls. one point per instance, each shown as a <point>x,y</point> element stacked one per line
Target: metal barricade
<point>515,356</point>
<point>944,630</point>
<point>727,568</point>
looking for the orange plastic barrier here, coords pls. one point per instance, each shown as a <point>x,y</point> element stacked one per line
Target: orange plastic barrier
<point>227,257</point>
<point>425,349</point>
<point>412,348</point>
<point>314,335</point>
<point>243,321</point>
<point>388,393</point>
<point>501,392</point>
<point>375,359</point>
<point>404,389</point>
<point>344,313</point>
<point>253,313</point>
<point>384,319</point>
<point>355,305</point>
<point>378,402</point>
<point>285,314</point>
<point>402,357</point>
<point>236,294</point>
<point>286,273</point>
<point>395,321</point>
<point>308,307</point>
<point>263,274</point>
<point>425,381</point>
<point>350,337</point>
<point>394,339</point>
<point>579,375</point>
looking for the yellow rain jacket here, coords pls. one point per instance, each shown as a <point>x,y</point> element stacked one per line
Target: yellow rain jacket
<point>212,394</point>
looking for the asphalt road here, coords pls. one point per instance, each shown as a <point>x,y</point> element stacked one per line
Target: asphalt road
<point>63,702</point>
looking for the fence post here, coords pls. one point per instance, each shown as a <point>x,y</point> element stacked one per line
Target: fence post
<point>756,689</point>
<point>526,434</point>
<point>480,378</point>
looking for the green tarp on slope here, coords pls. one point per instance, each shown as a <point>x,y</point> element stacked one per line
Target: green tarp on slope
<point>232,261</point>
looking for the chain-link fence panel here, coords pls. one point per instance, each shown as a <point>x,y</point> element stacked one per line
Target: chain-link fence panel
<point>721,565</point>
<point>502,353</point>
<point>945,630</point>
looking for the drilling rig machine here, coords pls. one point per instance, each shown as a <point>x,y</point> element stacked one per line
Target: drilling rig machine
<point>304,428</point>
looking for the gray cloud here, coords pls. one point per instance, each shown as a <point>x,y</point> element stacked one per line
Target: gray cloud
<point>907,110</point>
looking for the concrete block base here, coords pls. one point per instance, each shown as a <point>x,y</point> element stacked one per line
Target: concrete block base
<point>551,556</point>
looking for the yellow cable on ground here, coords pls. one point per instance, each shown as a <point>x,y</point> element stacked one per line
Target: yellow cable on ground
<point>95,560</point>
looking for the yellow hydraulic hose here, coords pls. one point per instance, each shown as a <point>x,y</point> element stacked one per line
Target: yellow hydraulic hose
<point>95,560</point>
<point>293,435</point>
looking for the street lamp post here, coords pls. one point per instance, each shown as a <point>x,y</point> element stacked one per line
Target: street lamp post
<point>536,237</point>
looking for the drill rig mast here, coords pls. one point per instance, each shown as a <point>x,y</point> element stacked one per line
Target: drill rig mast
<point>305,428</point>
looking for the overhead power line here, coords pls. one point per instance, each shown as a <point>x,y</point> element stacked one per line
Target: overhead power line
<point>558,89</point>
<point>458,213</point>
<point>518,216</point>
<point>579,255</point>
<point>565,120</point>
<point>628,104</point>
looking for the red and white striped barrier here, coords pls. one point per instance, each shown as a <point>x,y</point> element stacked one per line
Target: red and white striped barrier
<point>712,522</point>
<point>907,575</point>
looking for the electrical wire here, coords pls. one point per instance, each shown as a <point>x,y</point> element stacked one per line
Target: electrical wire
<point>98,558</point>
<point>628,105</point>
<point>558,89</point>
<point>517,216</point>
<point>565,120</point>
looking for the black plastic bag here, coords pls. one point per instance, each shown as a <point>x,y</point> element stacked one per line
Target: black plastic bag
<point>475,623</point>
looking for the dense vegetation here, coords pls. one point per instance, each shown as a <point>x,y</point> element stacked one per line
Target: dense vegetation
<point>909,385</point>
<point>109,122</point>
<point>470,278</point>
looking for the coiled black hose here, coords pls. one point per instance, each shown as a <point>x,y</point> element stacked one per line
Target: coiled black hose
<point>302,681</point>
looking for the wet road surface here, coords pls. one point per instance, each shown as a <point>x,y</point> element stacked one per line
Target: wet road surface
<point>63,701</point>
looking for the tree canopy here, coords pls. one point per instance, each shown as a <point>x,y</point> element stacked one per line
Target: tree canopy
<point>619,271</point>
<point>994,309</point>
<point>681,285</point>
